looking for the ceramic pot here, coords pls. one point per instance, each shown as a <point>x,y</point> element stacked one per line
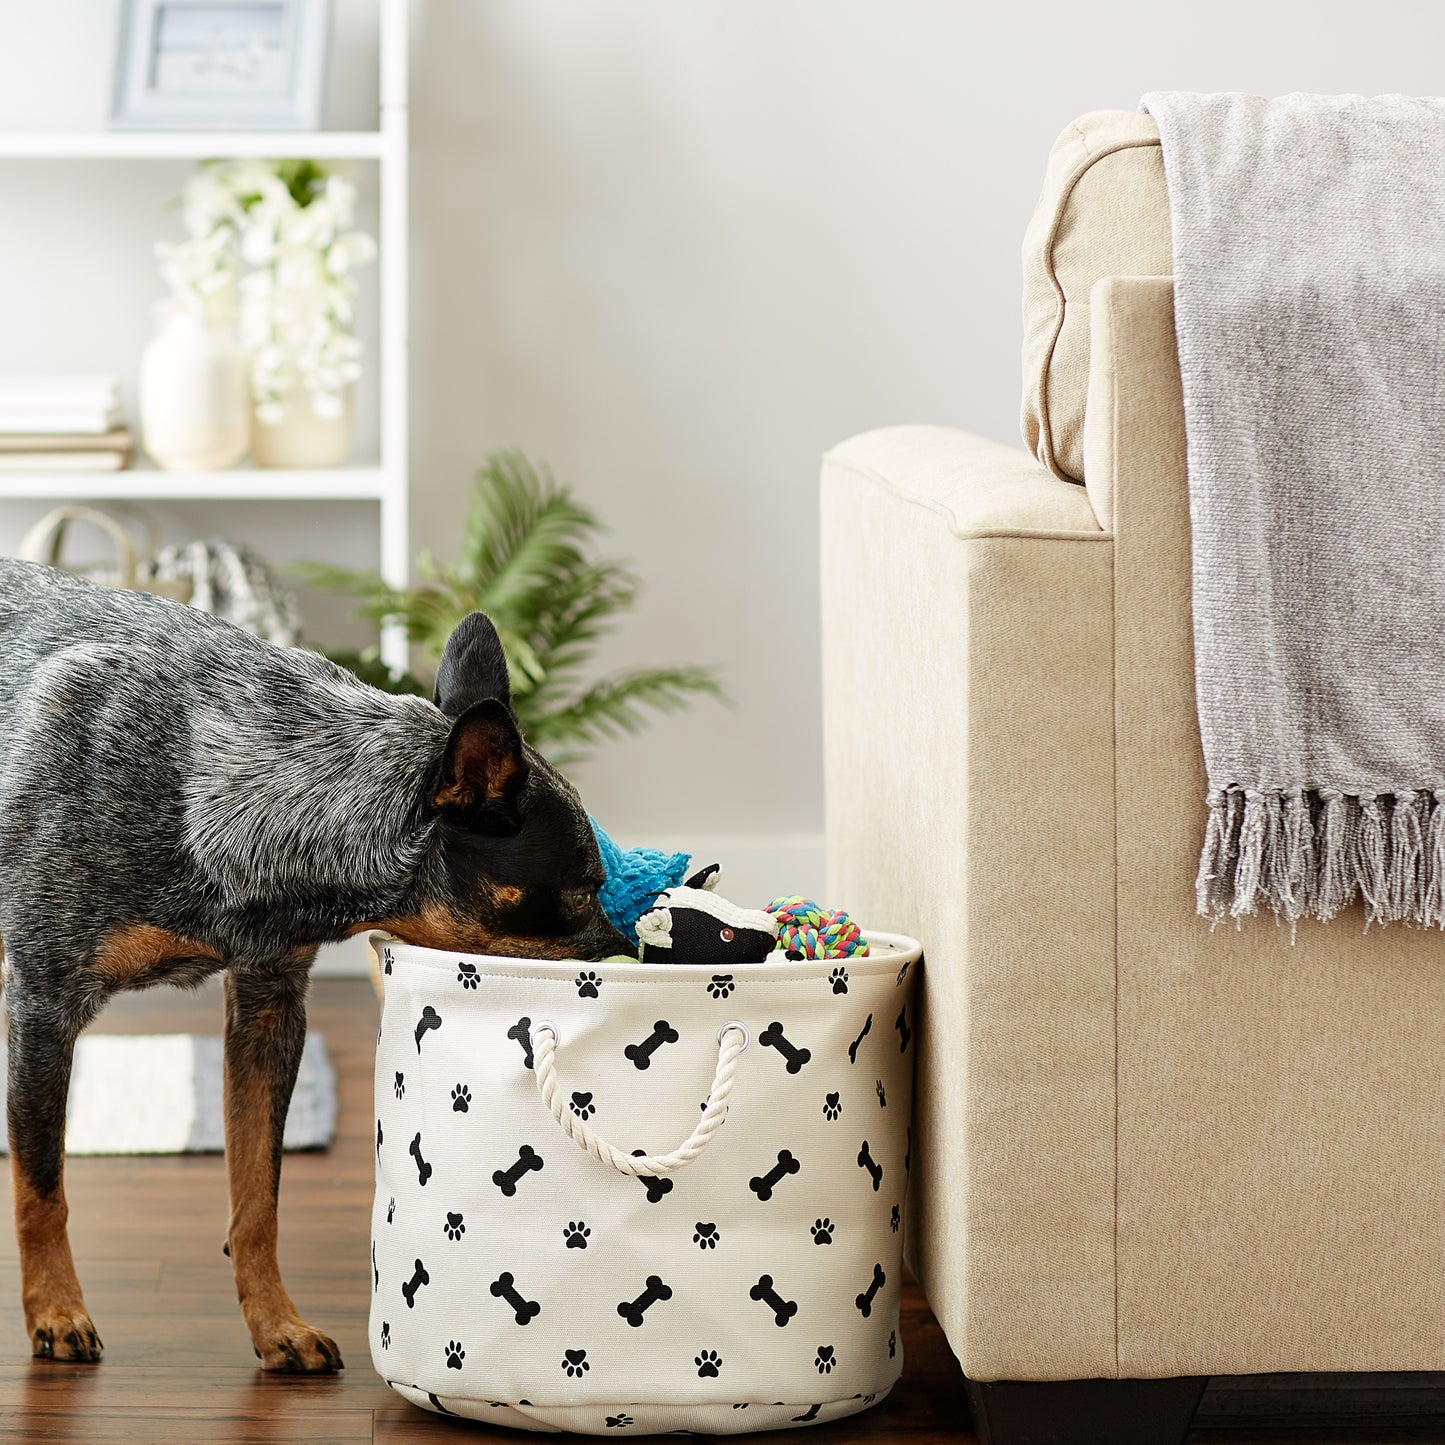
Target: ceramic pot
<point>301,438</point>
<point>194,399</point>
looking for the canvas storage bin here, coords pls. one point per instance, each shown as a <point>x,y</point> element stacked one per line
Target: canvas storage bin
<point>525,1281</point>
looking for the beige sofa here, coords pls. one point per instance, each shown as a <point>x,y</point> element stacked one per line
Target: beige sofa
<point>1144,1150</point>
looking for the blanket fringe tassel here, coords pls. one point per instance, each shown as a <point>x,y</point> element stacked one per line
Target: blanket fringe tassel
<point>1309,854</point>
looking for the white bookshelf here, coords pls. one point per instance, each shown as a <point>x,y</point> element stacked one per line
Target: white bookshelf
<point>384,481</point>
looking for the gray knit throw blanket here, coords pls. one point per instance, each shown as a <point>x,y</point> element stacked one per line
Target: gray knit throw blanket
<point>1309,295</point>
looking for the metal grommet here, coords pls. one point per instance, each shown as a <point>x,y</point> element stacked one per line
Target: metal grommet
<point>736,1024</point>
<point>551,1029</point>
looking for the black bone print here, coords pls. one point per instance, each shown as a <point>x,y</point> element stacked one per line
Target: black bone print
<point>409,1289</point>
<point>375,1273</point>
<point>857,1043</point>
<point>763,1185</point>
<point>378,1140</point>
<point>641,1054</point>
<point>811,1415</point>
<point>905,1034</point>
<point>773,1037</point>
<point>783,1309</point>
<point>430,1019</point>
<point>439,1407</point>
<point>522,1032</point>
<point>633,1310</point>
<point>423,1169</point>
<point>525,1310</point>
<point>506,1179</point>
<point>656,1184</point>
<point>865,1300</point>
<point>866,1161</point>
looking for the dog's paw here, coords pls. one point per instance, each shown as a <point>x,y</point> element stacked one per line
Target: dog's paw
<point>64,1335</point>
<point>296,1349</point>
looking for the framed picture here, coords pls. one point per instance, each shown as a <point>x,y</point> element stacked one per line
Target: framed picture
<point>220,64</point>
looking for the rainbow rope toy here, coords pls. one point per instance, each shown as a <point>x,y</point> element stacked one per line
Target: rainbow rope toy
<point>806,930</point>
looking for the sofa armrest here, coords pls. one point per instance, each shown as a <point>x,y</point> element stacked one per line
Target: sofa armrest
<point>968,760</point>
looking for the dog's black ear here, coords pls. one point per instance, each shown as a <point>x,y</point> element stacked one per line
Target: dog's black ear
<point>473,667</point>
<point>483,770</point>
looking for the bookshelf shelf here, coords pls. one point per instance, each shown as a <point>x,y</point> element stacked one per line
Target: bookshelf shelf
<point>241,484</point>
<point>190,145</point>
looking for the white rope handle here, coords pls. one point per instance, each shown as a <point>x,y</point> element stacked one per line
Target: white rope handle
<point>733,1038</point>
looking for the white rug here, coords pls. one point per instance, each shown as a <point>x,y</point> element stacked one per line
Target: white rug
<point>161,1094</point>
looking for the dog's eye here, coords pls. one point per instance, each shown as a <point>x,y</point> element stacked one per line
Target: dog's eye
<point>579,900</point>
<point>726,935</point>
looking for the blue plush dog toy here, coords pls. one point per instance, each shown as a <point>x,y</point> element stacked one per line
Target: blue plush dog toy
<point>634,878</point>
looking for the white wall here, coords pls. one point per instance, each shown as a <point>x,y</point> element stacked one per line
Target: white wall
<point>677,250</point>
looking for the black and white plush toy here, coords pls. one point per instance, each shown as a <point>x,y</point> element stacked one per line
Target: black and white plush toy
<point>691,924</point>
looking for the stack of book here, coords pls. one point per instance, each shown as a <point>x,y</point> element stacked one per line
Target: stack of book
<point>62,424</point>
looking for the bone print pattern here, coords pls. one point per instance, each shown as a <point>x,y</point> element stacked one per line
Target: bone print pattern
<point>482,1258</point>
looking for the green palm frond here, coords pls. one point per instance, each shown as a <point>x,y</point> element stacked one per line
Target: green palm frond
<point>525,559</point>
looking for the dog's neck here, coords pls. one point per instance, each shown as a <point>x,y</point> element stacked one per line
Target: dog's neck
<point>318,802</point>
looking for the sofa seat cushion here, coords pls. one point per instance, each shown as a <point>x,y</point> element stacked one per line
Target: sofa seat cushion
<point>1104,211</point>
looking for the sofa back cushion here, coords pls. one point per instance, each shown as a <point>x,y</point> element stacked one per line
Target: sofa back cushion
<point>1103,212</point>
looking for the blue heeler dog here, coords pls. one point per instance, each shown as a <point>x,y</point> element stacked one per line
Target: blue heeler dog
<point>178,798</point>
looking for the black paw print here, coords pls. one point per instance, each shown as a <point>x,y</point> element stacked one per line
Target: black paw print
<point>826,1359</point>
<point>839,979</point>
<point>892,1343</point>
<point>461,1098</point>
<point>709,1365</point>
<point>902,974</point>
<point>895,1219</point>
<point>455,1355</point>
<point>399,1084</point>
<point>832,1107</point>
<point>822,1231</point>
<point>386,1334</point>
<point>705,1236</point>
<point>390,1210</point>
<point>721,985</point>
<point>454,1227</point>
<point>618,1422</point>
<point>467,977</point>
<point>882,1093</point>
<point>577,1234</point>
<point>576,1363</point>
<point>588,985</point>
<point>386,960</point>
<point>583,1106</point>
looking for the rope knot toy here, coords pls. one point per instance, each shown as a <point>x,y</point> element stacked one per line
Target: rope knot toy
<point>807,930</point>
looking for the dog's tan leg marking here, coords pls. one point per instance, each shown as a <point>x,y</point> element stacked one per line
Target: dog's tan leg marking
<point>127,955</point>
<point>55,1315</point>
<point>260,1070</point>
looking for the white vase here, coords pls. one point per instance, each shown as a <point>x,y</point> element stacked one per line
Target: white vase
<point>195,411</point>
<point>301,438</point>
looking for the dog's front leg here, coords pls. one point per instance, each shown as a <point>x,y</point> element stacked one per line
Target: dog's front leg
<point>41,1043</point>
<point>265,1031</point>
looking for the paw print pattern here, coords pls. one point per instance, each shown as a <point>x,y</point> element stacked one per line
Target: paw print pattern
<point>882,1093</point>
<point>461,1099</point>
<point>839,979</point>
<point>618,1422</point>
<point>455,1355</point>
<point>822,1231</point>
<point>467,975</point>
<point>399,1084</point>
<point>895,1219</point>
<point>577,1234</point>
<point>454,1227</point>
<point>386,1334</point>
<point>709,1365</point>
<point>902,974</point>
<point>386,960</point>
<point>390,1209</point>
<point>832,1106</point>
<point>583,1106</point>
<point>588,984</point>
<point>721,985</point>
<point>892,1343</point>
<point>826,1360</point>
<point>575,1363</point>
<point>705,1236</point>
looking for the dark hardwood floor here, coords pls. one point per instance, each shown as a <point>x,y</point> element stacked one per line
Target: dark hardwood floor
<point>179,1367</point>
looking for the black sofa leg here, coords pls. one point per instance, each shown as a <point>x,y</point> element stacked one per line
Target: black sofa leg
<point>1085,1412</point>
